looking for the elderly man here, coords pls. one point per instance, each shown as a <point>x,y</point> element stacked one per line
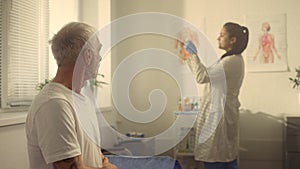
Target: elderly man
<point>56,136</point>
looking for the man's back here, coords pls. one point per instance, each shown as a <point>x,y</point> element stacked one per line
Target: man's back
<point>53,130</point>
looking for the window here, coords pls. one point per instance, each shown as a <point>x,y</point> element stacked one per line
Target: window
<point>24,31</point>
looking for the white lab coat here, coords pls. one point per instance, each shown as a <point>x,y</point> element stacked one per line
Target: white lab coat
<point>217,130</point>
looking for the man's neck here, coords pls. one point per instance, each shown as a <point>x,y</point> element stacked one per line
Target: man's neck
<point>64,76</point>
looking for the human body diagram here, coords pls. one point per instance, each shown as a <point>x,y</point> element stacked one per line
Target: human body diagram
<point>266,51</point>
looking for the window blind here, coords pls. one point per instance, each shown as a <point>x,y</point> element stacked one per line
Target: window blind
<point>26,53</point>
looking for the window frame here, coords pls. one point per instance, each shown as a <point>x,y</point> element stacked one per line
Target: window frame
<point>43,50</point>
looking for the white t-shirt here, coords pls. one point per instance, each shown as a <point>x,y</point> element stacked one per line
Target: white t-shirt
<point>62,124</point>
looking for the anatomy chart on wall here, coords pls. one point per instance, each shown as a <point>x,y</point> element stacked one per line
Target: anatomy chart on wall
<point>267,48</point>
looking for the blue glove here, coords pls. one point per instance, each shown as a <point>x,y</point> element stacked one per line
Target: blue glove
<point>190,47</point>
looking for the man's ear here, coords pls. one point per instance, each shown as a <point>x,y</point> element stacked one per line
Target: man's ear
<point>88,54</point>
<point>233,40</point>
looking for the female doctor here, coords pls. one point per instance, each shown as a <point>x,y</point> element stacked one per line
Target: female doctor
<point>220,149</point>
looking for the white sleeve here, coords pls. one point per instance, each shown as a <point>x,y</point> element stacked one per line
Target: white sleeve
<point>203,74</point>
<point>56,131</point>
<point>198,69</point>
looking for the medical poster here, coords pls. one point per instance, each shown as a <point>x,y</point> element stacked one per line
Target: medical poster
<point>267,48</point>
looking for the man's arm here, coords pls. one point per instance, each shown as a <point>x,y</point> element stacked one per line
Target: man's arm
<point>77,163</point>
<point>71,163</point>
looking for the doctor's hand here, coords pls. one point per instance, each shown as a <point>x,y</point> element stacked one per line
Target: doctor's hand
<point>190,47</point>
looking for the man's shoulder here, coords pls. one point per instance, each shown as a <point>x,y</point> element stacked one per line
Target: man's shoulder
<point>51,93</point>
<point>55,91</point>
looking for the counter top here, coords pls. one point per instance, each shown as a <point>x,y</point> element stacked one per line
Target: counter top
<point>12,118</point>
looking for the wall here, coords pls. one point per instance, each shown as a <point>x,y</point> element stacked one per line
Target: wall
<point>13,148</point>
<point>61,12</point>
<point>147,80</point>
<point>104,18</point>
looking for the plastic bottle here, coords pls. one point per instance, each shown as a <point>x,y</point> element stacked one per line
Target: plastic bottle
<point>187,104</point>
<point>179,105</point>
<point>196,105</point>
<point>193,105</point>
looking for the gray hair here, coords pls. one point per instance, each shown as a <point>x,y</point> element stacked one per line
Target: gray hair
<point>68,42</point>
